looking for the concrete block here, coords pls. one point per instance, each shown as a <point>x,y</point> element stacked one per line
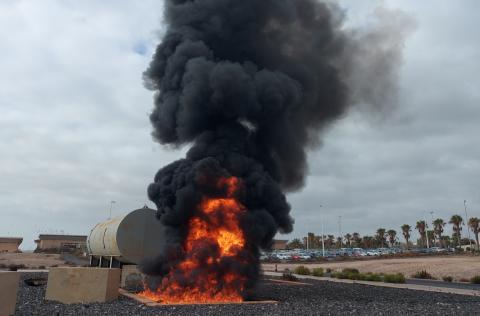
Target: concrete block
<point>131,277</point>
<point>8,292</point>
<point>82,285</point>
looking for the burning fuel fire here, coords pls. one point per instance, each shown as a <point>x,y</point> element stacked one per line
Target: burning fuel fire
<point>214,235</point>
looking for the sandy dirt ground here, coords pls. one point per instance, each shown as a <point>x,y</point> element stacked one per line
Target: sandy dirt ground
<point>457,267</point>
<point>31,260</point>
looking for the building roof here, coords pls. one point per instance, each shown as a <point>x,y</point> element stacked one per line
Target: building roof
<point>63,237</point>
<point>280,240</point>
<point>11,240</point>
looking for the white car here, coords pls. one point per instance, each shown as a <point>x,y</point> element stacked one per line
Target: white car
<point>304,256</point>
<point>438,249</point>
<point>284,256</point>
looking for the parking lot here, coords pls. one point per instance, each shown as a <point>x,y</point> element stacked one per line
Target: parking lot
<point>319,254</point>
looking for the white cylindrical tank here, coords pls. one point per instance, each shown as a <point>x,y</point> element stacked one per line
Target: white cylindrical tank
<point>129,238</point>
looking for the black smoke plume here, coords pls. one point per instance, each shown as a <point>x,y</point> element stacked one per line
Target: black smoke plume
<point>250,85</point>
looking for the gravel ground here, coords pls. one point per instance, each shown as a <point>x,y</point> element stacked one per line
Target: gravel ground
<point>319,298</point>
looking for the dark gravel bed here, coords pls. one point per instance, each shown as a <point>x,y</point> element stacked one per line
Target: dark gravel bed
<point>319,298</point>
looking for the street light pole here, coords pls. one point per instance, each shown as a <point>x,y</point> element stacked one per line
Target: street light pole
<point>466,222</point>
<point>340,230</point>
<point>323,234</point>
<point>433,229</point>
<point>111,205</point>
<point>426,229</point>
<point>307,239</point>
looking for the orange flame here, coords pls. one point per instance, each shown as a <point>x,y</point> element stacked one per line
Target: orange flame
<point>216,225</point>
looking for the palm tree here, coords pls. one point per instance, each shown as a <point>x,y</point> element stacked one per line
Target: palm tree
<point>456,221</point>
<point>446,241</point>
<point>317,242</point>
<point>331,241</point>
<point>406,229</point>
<point>367,241</point>
<point>381,235</point>
<point>356,239</point>
<point>348,239</point>
<point>421,230</point>
<point>392,236</point>
<point>310,240</point>
<point>295,244</point>
<point>431,237</point>
<point>438,225</point>
<point>474,224</point>
<point>339,242</point>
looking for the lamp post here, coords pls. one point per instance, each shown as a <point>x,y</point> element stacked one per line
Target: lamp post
<point>340,230</point>
<point>466,223</point>
<point>111,206</point>
<point>307,239</point>
<point>323,234</point>
<point>433,228</point>
<point>426,229</point>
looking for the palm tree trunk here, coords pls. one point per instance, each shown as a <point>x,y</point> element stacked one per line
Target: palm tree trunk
<point>476,238</point>
<point>458,236</point>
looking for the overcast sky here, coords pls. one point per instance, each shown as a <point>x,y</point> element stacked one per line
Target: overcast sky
<point>75,133</point>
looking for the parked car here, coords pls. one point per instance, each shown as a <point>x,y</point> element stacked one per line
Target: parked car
<point>359,252</point>
<point>284,256</point>
<point>304,256</point>
<point>438,249</point>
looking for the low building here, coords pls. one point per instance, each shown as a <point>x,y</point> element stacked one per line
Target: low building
<point>60,243</point>
<point>10,244</point>
<point>279,244</point>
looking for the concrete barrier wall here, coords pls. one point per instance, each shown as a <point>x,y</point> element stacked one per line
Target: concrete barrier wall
<point>8,292</point>
<point>82,285</point>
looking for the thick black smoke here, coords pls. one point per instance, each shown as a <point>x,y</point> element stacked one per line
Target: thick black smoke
<point>250,85</point>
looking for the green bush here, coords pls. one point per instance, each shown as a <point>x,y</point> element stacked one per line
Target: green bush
<point>394,278</point>
<point>422,275</point>
<point>373,277</point>
<point>318,272</point>
<point>475,279</point>
<point>302,270</point>
<point>339,275</point>
<point>447,279</point>
<point>353,274</point>
<point>350,270</point>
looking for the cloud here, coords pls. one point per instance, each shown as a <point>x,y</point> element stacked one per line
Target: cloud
<point>75,131</point>
<point>422,158</point>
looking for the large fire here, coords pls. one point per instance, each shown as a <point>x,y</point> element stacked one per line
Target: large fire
<point>214,237</point>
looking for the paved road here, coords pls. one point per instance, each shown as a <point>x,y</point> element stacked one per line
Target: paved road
<point>449,285</point>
